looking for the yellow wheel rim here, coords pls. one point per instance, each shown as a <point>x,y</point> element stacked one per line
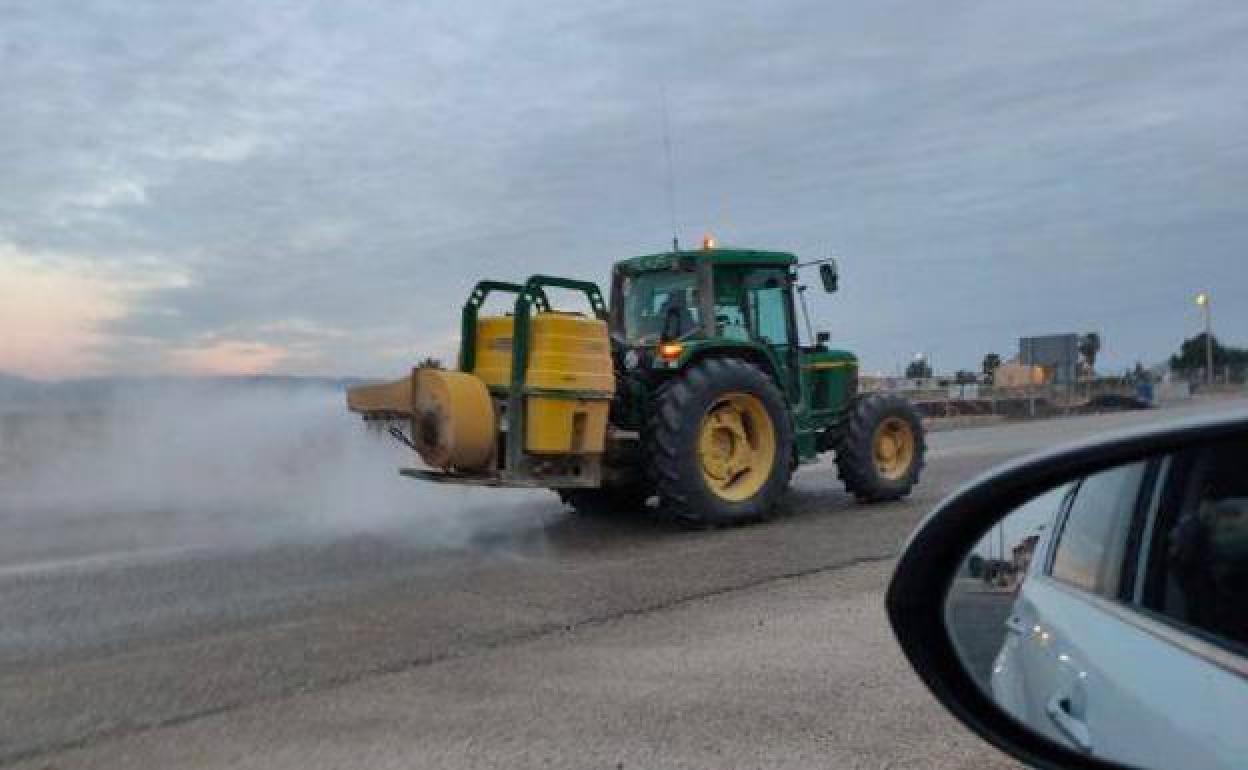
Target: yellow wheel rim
<point>893,448</point>
<point>736,446</point>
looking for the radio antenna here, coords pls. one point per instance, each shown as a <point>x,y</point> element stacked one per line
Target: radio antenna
<point>671,174</point>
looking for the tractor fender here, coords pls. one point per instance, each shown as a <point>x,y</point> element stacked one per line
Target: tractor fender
<point>752,353</point>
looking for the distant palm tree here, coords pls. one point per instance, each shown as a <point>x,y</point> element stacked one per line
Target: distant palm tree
<point>1089,346</point>
<point>918,369</point>
<point>991,363</point>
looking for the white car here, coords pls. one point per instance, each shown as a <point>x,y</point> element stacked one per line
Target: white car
<point>1128,636</point>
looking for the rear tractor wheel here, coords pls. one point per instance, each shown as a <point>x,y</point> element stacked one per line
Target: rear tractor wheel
<point>881,452</point>
<point>719,443</point>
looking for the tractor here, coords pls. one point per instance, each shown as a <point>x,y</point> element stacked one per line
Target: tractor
<point>691,387</point>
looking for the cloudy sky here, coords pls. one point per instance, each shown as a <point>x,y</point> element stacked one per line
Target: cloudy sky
<point>313,187</point>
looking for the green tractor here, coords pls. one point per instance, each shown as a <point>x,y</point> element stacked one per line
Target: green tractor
<point>692,388</point>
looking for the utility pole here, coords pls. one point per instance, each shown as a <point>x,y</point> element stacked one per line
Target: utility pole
<point>1202,299</point>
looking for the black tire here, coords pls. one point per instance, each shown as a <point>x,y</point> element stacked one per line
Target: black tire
<point>605,501</point>
<point>855,454</point>
<point>672,435</point>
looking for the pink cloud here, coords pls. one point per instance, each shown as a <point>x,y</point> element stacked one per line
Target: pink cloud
<point>51,315</point>
<point>228,357</point>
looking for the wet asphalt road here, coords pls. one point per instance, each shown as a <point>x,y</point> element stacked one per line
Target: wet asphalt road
<point>96,644</point>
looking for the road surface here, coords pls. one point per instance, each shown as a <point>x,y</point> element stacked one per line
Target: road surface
<point>977,616</point>
<point>547,638</point>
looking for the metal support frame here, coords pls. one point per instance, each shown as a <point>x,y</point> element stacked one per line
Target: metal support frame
<point>468,318</point>
<point>533,293</point>
<point>518,467</point>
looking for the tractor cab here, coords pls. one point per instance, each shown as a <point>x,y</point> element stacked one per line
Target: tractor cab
<point>738,294</point>
<point>669,309</point>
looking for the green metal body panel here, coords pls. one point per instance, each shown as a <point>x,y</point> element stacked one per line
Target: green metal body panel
<point>829,380</point>
<point>667,260</point>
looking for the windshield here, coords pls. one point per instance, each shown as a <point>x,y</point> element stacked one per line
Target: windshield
<point>658,303</point>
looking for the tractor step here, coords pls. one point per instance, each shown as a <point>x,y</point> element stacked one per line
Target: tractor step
<point>482,480</point>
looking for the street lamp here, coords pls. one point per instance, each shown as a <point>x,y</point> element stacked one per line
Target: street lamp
<point>1202,300</point>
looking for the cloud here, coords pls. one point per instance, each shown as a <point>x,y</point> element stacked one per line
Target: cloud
<point>228,357</point>
<point>220,149</point>
<point>983,171</point>
<point>53,312</point>
<point>110,193</point>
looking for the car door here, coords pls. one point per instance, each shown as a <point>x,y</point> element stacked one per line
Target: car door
<point>1101,671</point>
<point>1083,559</point>
<point>1008,682</point>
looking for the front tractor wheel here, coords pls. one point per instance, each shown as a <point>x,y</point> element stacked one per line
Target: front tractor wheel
<point>881,452</point>
<point>719,443</point>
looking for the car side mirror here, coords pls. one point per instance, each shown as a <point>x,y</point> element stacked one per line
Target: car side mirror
<point>1084,607</point>
<point>828,275</point>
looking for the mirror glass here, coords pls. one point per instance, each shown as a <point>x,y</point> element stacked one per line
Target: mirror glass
<point>1110,614</point>
<point>828,275</point>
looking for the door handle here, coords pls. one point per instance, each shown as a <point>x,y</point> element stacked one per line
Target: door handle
<point>1071,726</point>
<point>1015,623</point>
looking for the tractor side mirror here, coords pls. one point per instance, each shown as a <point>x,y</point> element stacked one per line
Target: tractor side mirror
<point>822,338</point>
<point>827,274</point>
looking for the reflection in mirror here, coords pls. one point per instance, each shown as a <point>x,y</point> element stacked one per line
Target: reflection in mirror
<point>1111,614</point>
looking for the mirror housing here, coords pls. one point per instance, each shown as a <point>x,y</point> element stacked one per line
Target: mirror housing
<point>822,338</point>
<point>918,594</point>
<point>828,275</point>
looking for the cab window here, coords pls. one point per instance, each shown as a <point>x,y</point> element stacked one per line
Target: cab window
<point>660,301</point>
<point>766,297</point>
<point>752,303</point>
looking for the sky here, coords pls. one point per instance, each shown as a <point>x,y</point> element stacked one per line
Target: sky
<point>312,188</point>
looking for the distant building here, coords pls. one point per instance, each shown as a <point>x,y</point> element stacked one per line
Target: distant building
<point>1057,353</point>
<point>877,382</point>
<point>1015,374</point>
<point>1023,552</point>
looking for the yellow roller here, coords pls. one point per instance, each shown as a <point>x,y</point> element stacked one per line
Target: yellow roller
<point>453,421</point>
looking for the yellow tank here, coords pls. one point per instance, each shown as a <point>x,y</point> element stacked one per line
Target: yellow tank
<point>493,350</point>
<point>557,425</point>
<point>570,363</point>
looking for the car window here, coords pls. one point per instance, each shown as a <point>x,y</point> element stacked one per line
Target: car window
<point>1089,549</point>
<point>1198,559</point>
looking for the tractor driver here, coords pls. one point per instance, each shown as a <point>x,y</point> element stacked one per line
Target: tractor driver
<point>676,317</point>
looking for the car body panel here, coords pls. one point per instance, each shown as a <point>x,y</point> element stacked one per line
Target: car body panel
<point>1121,680</point>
